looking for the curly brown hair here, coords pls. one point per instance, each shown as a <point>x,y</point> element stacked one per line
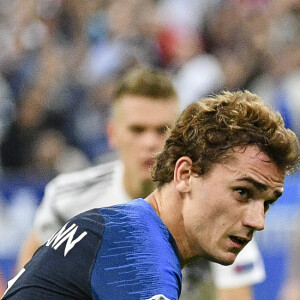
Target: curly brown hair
<point>208,128</point>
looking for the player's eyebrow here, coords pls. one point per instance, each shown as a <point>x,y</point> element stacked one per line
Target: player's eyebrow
<point>260,186</point>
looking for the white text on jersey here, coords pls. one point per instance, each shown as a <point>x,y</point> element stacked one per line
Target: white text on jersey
<point>65,235</point>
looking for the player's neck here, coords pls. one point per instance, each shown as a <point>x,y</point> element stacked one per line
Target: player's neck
<point>137,189</point>
<point>164,201</point>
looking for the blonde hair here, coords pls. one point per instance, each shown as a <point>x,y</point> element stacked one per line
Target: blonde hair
<point>143,81</point>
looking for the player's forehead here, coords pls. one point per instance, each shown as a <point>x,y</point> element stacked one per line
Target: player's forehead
<point>252,165</point>
<point>142,109</point>
<point>142,100</point>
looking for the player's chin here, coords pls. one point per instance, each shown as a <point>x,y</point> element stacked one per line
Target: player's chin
<point>227,262</point>
<point>226,259</point>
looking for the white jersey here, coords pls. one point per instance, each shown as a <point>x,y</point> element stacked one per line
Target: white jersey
<point>72,193</point>
<point>100,186</point>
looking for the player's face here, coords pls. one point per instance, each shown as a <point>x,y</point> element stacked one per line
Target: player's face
<point>229,204</point>
<point>140,132</point>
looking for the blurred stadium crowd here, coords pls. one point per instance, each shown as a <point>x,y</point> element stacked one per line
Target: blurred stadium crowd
<point>59,60</point>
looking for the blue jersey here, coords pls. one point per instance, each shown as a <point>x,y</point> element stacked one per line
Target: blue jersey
<point>120,252</point>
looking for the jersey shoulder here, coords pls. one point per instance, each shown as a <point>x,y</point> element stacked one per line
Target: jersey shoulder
<point>70,194</point>
<point>139,257</point>
<point>61,268</point>
<point>78,181</point>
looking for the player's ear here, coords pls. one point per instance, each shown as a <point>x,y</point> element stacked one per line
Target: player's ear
<point>182,174</point>
<point>112,135</point>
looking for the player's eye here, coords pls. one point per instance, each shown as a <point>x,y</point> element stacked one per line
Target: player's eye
<point>243,194</point>
<point>137,129</point>
<point>162,130</point>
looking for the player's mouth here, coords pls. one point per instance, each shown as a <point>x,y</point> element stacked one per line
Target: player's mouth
<point>238,242</point>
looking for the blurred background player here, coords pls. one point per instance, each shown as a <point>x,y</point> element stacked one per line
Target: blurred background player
<point>145,105</point>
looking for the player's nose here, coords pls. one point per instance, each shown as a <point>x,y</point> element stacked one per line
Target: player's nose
<point>255,216</point>
<point>153,141</point>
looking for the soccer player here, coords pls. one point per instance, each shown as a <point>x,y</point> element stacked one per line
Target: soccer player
<point>144,105</point>
<point>221,168</point>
